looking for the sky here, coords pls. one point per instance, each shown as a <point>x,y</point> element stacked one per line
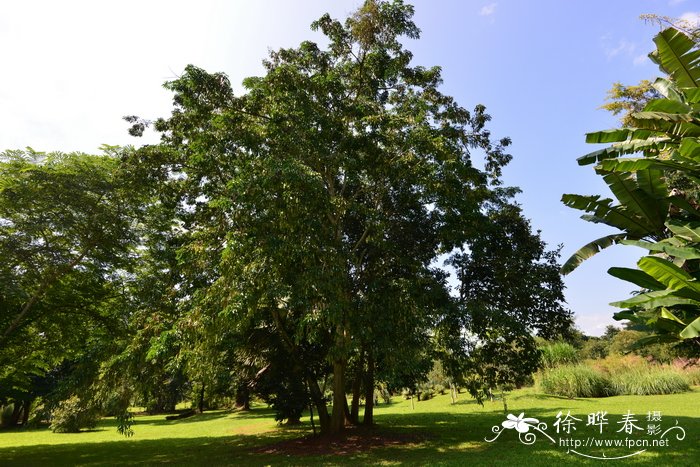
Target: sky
<point>70,70</point>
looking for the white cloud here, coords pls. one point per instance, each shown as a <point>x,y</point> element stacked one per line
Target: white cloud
<point>488,10</point>
<point>640,60</point>
<point>623,47</point>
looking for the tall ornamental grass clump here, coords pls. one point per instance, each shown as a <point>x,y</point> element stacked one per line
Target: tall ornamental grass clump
<point>558,353</point>
<point>616,376</point>
<point>649,380</point>
<point>574,381</point>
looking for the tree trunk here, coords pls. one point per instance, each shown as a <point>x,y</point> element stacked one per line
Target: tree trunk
<point>339,399</point>
<point>369,391</point>
<point>242,397</point>
<point>357,390</point>
<point>25,414</point>
<point>201,400</point>
<point>324,419</point>
<point>16,412</point>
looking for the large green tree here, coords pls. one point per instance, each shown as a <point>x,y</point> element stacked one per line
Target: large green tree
<point>67,234</point>
<point>321,197</point>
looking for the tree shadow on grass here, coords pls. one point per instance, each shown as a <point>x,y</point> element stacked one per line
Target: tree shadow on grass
<point>438,438</point>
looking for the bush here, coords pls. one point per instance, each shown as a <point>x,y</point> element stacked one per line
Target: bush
<point>594,347</point>
<point>558,353</point>
<point>574,381</point>
<point>71,415</point>
<point>649,380</point>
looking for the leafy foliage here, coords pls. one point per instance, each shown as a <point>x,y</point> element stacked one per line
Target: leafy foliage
<point>653,213</point>
<point>315,205</point>
<point>72,415</point>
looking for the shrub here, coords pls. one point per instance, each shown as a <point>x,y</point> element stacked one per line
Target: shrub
<point>653,379</point>
<point>594,347</point>
<point>71,415</point>
<point>558,353</point>
<point>574,381</point>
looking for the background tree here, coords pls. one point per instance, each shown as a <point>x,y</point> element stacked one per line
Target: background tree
<point>67,233</point>
<point>510,290</point>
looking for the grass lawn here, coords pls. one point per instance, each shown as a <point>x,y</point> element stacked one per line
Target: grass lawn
<point>435,433</point>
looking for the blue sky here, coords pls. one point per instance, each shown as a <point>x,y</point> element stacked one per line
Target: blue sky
<point>72,69</point>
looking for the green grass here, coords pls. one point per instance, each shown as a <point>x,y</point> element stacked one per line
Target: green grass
<point>558,353</point>
<point>450,434</point>
<point>574,381</point>
<point>652,380</point>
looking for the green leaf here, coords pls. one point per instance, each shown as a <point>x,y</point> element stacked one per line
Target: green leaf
<point>692,95</point>
<point>690,149</point>
<point>637,277</point>
<point>667,89</point>
<point>626,314</point>
<point>653,145</point>
<point>625,189</point>
<point>589,250</point>
<point>668,106</point>
<point>663,116</point>
<point>687,230</point>
<point>685,205</point>
<point>692,330</point>
<point>655,299</point>
<point>617,135</point>
<point>669,325</point>
<point>677,55</point>
<point>670,316</point>
<point>669,124</point>
<point>615,216</point>
<point>685,253</point>
<point>645,163</point>
<point>652,181</point>
<point>667,273</point>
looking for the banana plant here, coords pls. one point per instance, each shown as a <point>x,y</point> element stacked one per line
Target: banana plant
<point>666,141</point>
<point>641,166</point>
<point>670,303</point>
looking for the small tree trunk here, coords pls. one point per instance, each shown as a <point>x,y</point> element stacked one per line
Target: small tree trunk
<point>16,412</point>
<point>201,400</point>
<point>339,399</point>
<point>369,391</point>
<point>317,397</point>
<point>242,397</point>
<point>357,390</point>
<point>311,414</point>
<point>25,414</point>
